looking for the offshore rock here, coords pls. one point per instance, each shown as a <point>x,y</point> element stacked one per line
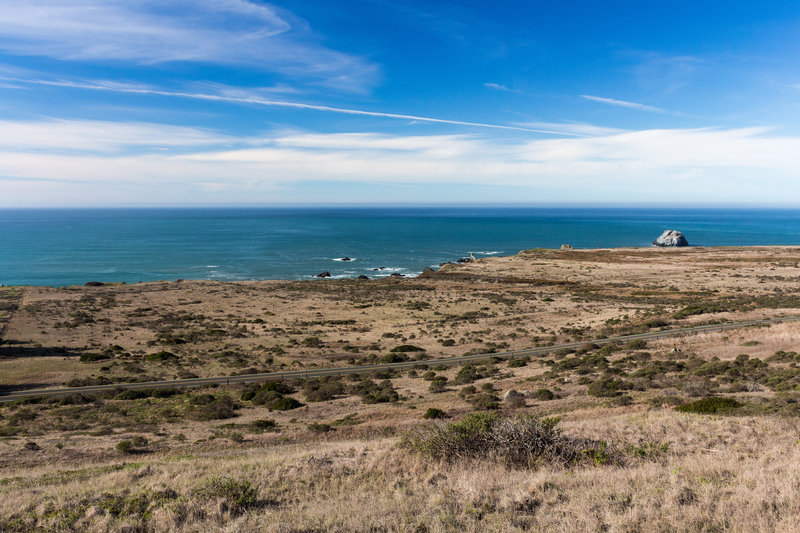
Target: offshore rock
<point>671,238</point>
<point>324,275</point>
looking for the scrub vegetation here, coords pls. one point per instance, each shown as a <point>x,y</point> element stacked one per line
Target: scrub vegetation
<point>692,433</point>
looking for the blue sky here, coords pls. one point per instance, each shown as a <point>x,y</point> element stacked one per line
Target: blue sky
<point>235,102</point>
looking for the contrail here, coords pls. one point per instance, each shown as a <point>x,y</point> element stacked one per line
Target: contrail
<point>278,103</point>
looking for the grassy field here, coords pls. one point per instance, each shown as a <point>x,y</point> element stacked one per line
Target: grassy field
<point>698,433</point>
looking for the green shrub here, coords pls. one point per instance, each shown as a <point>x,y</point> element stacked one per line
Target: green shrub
<point>607,387</point>
<point>439,384</point>
<point>264,425</point>
<point>544,395</point>
<point>238,496</point>
<point>372,392</point>
<point>434,413</point>
<point>710,406</point>
<point>467,390</point>
<point>520,441</point>
<point>285,404</point>
<point>472,372</point>
<point>485,401</point>
<point>125,446</point>
<point>404,348</point>
<point>162,356</point>
<point>518,362</point>
<point>322,390</point>
<point>209,407</point>
<point>266,393</point>
<point>320,428</point>
<point>92,357</point>
<point>393,358</point>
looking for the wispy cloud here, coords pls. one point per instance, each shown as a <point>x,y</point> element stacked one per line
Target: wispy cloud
<point>500,87</point>
<point>623,103</point>
<point>229,32</point>
<point>577,129</point>
<point>242,97</point>
<point>676,165</point>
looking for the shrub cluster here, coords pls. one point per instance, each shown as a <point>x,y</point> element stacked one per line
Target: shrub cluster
<point>272,396</point>
<point>520,441</point>
<point>210,407</point>
<point>372,392</point>
<point>710,406</point>
<point>322,389</point>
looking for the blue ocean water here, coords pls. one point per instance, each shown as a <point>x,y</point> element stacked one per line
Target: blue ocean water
<point>72,246</point>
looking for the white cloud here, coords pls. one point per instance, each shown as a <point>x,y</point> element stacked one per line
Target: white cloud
<point>226,32</point>
<point>101,137</point>
<point>679,165</point>
<point>500,87</point>
<point>623,103</point>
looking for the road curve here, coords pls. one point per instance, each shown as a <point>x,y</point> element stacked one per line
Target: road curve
<point>449,361</point>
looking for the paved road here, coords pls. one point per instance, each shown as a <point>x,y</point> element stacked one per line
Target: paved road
<point>450,361</point>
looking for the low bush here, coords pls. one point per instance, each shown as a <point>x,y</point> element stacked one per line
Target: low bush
<point>710,406</point>
<point>209,407</point>
<point>372,392</point>
<point>393,358</point>
<point>285,404</point>
<point>404,348</point>
<point>485,401</point>
<point>162,356</point>
<point>322,390</point>
<point>266,424</point>
<point>518,362</point>
<point>236,496</point>
<point>433,414</point>
<point>544,395</point>
<point>520,441</point>
<point>92,357</point>
<point>607,387</point>
<point>439,384</point>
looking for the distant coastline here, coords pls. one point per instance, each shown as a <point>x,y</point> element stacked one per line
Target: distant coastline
<point>58,247</point>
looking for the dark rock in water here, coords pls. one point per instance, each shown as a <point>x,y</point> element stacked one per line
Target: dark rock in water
<point>362,276</point>
<point>345,259</point>
<point>95,284</point>
<point>465,260</point>
<point>671,238</point>
<point>324,275</point>
<point>396,275</point>
<point>379,268</point>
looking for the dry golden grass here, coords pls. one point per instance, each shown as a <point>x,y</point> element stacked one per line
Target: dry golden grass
<point>717,473</point>
<point>731,474</point>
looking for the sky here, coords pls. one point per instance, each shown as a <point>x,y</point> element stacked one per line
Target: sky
<point>243,102</point>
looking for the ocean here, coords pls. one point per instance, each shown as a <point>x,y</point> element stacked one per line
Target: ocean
<point>73,246</point>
